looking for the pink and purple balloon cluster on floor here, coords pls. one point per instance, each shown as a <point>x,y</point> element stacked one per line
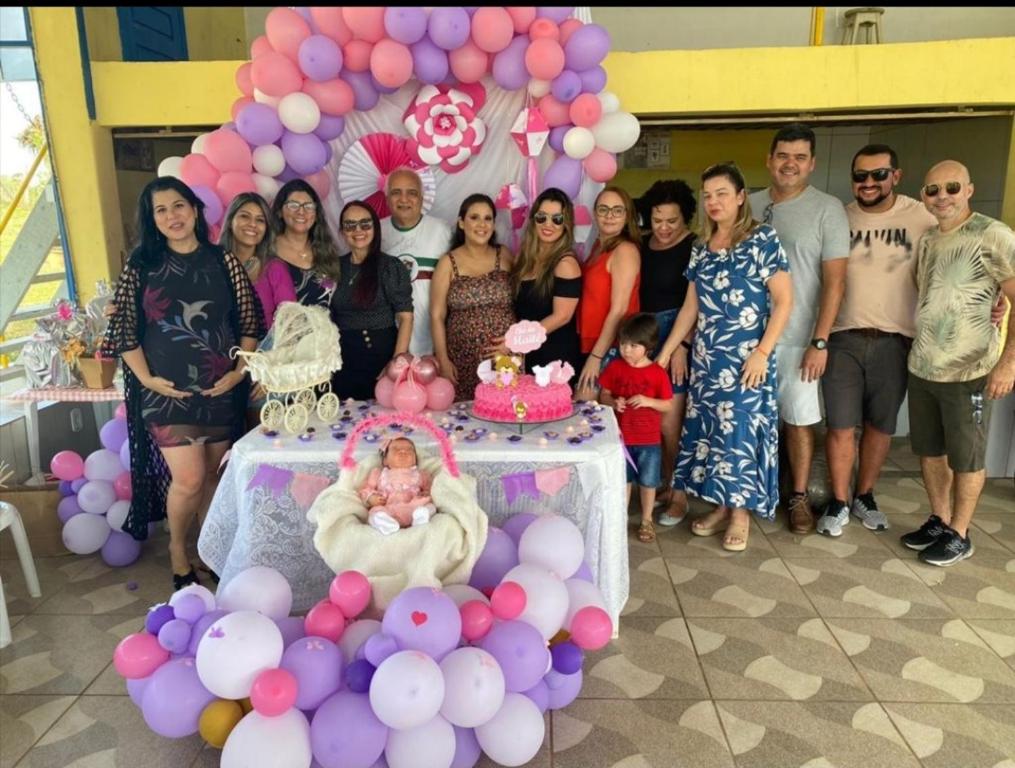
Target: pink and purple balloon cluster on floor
<point>96,496</point>
<point>314,66</point>
<point>443,676</point>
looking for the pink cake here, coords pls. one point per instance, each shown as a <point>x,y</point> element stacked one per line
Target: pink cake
<point>526,401</point>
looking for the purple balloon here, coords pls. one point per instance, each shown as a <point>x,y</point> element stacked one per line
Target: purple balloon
<point>364,94</point>
<point>157,617</point>
<point>345,732</point>
<point>173,701</point>
<point>190,608</point>
<point>563,688</point>
<point>303,11</point>
<point>330,127</point>
<point>381,88</point>
<point>567,657</point>
<point>467,749</point>
<point>593,80</point>
<point>174,635</point>
<point>64,489</point>
<point>405,24</point>
<point>423,619</point>
<point>292,628</point>
<point>316,663</point>
<point>67,508</point>
<point>113,434</point>
<point>520,650</point>
<point>498,557</point>
<point>288,174</point>
<point>121,549</point>
<point>429,62</point>
<point>200,627</point>
<point>258,124</point>
<point>587,46</point>
<point>584,573</point>
<point>212,204</point>
<point>565,174</point>
<point>556,15</point>
<point>540,695</point>
<point>136,689</point>
<point>320,58</point>
<point>449,27</point>
<point>328,152</point>
<point>516,524</point>
<point>556,138</point>
<point>77,485</point>
<point>358,675</point>
<point>125,455</point>
<point>378,647</point>
<point>304,152</point>
<point>508,69</point>
<point>566,86</point>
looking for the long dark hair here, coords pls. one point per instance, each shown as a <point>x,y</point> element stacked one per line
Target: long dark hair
<point>528,257</point>
<point>322,242</point>
<point>458,239</point>
<point>152,243</point>
<point>366,284</point>
<point>264,249</point>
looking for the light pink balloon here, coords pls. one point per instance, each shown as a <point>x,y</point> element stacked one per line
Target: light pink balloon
<point>409,396</point>
<point>243,81</point>
<point>440,394</point>
<point>121,411</point>
<point>492,28</point>
<point>334,97</point>
<point>425,369</point>
<point>544,58</point>
<point>591,628</point>
<point>356,55</point>
<point>330,22</point>
<point>227,151</point>
<point>234,183</point>
<point>567,28</point>
<point>469,63</point>
<point>122,486</point>
<point>325,620</point>
<point>477,619</point>
<point>391,63</point>
<point>67,465</point>
<point>586,110</point>
<point>508,600</point>
<point>273,692</point>
<point>285,30</point>
<point>544,28</point>
<point>600,165</point>
<point>196,171</point>
<point>384,389</point>
<point>139,655</point>
<point>260,45</point>
<point>350,591</point>
<point>365,23</point>
<point>522,17</point>
<point>556,112</point>
<point>275,74</point>
<point>398,366</point>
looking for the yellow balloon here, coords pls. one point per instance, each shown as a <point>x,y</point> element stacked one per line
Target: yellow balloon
<point>218,720</point>
<point>560,637</point>
<point>247,706</point>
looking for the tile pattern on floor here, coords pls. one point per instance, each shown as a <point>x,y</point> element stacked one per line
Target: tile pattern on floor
<point>803,652</point>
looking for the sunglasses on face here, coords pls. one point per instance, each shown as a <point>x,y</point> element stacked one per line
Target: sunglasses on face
<point>879,174</point>
<point>294,207</point>
<point>364,224</point>
<point>606,211</point>
<point>556,218</point>
<point>951,187</point>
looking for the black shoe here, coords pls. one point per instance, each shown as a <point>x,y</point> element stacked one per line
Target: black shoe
<point>179,582</point>
<point>925,535</point>
<point>948,549</point>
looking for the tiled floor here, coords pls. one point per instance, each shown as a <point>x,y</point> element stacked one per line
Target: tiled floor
<point>802,652</point>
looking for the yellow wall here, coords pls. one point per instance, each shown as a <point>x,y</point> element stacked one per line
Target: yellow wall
<point>212,33</point>
<point>103,31</point>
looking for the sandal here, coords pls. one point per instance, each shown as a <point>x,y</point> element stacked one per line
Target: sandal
<point>647,532</point>
<point>668,521</point>
<point>185,580</point>
<point>712,523</point>
<point>211,574</point>
<point>735,538</point>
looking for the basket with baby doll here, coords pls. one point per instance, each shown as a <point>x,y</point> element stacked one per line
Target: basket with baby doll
<point>306,352</point>
<point>402,516</point>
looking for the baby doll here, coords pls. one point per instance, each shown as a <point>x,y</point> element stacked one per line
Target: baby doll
<point>397,494</point>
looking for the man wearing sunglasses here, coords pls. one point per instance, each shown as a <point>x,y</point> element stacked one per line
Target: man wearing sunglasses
<point>957,367</point>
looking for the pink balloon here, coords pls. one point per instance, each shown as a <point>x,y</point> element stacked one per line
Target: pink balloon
<point>334,97</point>
<point>227,151</point>
<point>544,58</point>
<point>120,412</point>
<point>285,30</point>
<point>554,110</point>
<point>384,389</point>
<point>325,620</point>
<point>243,81</point>
<point>469,63</point>
<point>508,600</point>
<point>122,486</point>
<point>350,591</point>
<point>409,396</point>
<point>477,619</point>
<point>196,171</point>
<point>273,692</point>
<point>260,46</point>
<point>440,394</point>
<point>585,110</point>
<point>321,182</point>
<point>567,29</point>
<point>391,63</point>
<point>67,465</point>
<point>522,17</point>
<point>139,655</point>
<point>330,22</point>
<point>275,74</point>
<point>232,184</point>
<point>398,366</point>
<point>492,28</point>
<point>365,23</point>
<point>600,165</point>
<point>425,369</point>
<point>591,628</point>
<point>356,55</point>
<point>544,28</point>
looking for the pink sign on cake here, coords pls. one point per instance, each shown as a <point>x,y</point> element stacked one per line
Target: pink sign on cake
<point>525,336</point>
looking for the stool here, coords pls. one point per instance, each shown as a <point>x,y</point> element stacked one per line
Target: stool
<point>867,19</point>
<point>10,517</point>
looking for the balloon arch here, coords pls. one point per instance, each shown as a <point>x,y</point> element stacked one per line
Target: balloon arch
<point>502,100</point>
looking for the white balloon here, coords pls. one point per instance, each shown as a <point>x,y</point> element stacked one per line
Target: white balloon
<point>539,88</point>
<point>553,542</point>
<point>197,147</point>
<point>579,143</point>
<point>262,98</point>
<point>545,597</point>
<point>267,187</point>
<point>258,588</point>
<point>195,589</point>
<point>269,742</point>
<point>103,464</point>
<point>581,594</point>
<point>431,745</point>
<point>299,112</point>
<point>616,132</point>
<point>117,513</point>
<point>235,650</point>
<point>473,687</point>
<point>84,534</point>
<point>269,160</point>
<point>609,101</point>
<point>463,593</point>
<point>170,166</point>
<point>355,635</point>
<point>516,732</point>
<point>406,690</point>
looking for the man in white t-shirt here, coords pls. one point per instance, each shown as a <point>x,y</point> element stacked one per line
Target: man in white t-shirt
<point>814,232</point>
<point>418,241</point>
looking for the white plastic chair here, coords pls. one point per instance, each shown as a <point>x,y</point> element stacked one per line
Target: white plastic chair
<point>10,517</point>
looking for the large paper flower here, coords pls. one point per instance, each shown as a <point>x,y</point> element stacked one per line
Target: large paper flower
<point>443,127</point>
<point>365,166</point>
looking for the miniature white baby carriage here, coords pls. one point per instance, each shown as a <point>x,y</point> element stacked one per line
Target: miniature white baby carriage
<point>305,353</point>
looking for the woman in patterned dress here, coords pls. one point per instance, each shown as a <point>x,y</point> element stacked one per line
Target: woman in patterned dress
<point>471,300</point>
<point>740,295</point>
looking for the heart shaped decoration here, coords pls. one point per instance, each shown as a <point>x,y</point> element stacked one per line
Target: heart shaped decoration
<point>418,618</point>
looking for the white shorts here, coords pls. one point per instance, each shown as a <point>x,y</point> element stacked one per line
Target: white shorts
<point>799,401</point>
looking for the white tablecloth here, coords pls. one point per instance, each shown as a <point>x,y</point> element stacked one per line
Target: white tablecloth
<point>266,525</point>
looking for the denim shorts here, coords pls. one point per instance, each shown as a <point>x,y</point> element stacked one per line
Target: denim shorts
<point>649,459</point>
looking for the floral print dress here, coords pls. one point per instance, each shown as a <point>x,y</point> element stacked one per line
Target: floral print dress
<point>729,449</point>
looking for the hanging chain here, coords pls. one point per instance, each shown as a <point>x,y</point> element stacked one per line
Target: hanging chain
<point>17,102</point>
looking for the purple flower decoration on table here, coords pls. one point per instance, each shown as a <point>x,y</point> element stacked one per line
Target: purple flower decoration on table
<point>132,586</point>
<point>515,438</point>
<point>338,435</point>
<point>575,440</point>
<point>598,427</point>
<point>154,304</point>
<point>551,435</point>
<point>306,437</point>
<point>480,431</point>
<point>364,406</point>
<point>269,432</point>
<point>371,437</point>
<point>217,633</point>
<point>472,437</point>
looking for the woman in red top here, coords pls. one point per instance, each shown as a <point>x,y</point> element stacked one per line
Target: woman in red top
<point>610,279</point>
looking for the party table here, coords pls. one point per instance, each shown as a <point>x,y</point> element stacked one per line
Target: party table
<point>573,467</point>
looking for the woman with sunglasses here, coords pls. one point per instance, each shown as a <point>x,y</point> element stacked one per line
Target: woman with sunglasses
<point>610,279</point>
<point>546,279</point>
<point>372,304</point>
<point>303,241</point>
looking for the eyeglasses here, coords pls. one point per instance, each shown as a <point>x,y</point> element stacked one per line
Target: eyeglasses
<point>768,213</point>
<point>556,218</point>
<point>951,187</point>
<point>365,225</point>
<point>606,211</point>
<point>879,174</point>
<point>294,207</point>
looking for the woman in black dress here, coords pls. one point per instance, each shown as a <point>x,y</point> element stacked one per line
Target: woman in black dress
<point>303,240</point>
<point>372,305</point>
<point>182,305</point>
<point>546,278</point>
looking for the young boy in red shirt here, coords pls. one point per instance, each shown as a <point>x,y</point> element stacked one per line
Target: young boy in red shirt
<point>640,392</point>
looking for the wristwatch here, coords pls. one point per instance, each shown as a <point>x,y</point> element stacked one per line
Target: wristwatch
<point>819,343</point>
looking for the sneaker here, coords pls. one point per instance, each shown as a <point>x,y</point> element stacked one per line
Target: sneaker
<point>801,518</point>
<point>835,516</point>
<point>948,549</point>
<point>925,535</point>
<point>865,509</point>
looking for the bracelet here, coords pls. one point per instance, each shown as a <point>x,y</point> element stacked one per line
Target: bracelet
<point>597,357</point>
<point>685,344</point>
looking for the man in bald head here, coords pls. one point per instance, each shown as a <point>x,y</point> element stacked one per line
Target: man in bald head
<point>958,365</point>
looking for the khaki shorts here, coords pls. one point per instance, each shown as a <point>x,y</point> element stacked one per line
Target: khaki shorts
<point>950,418</point>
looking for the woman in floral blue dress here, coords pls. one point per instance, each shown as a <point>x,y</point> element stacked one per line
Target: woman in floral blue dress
<point>740,296</point>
